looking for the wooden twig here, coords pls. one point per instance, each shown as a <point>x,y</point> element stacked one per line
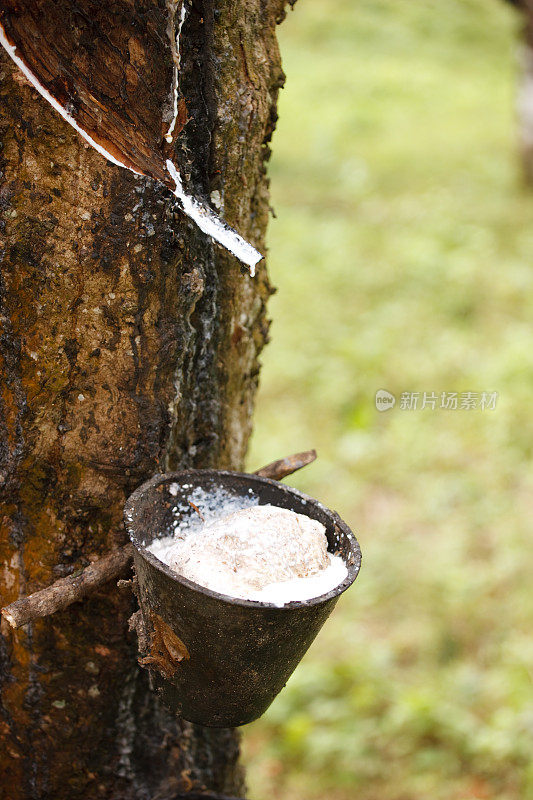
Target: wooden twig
<point>195,508</point>
<point>67,590</point>
<point>75,587</point>
<point>278,470</point>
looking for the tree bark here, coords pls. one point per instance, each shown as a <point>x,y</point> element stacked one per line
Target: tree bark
<point>128,345</point>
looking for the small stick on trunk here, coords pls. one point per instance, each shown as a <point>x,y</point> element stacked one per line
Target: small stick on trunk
<point>68,590</point>
<point>195,507</point>
<point>278,470</point>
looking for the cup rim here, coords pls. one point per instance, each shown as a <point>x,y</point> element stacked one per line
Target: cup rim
<point>181,476</point>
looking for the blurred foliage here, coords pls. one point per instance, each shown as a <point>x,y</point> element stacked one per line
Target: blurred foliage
<point>403,253</point>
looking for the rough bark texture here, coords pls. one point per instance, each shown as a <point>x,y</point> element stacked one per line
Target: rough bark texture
<point>107,63</point>
<point>128,345</point>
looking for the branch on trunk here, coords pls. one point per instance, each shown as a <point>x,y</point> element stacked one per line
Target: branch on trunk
<point>66,591</point>
<point>278,470</point>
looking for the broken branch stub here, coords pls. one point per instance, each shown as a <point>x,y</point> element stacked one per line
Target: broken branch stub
<point>109,71</point>
<point>67,590</point>
<point>278,470</point>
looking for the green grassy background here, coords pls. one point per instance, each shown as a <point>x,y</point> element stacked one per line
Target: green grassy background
<point>403,251</point>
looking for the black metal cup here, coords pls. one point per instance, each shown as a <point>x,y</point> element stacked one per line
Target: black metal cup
<point>214,659</point>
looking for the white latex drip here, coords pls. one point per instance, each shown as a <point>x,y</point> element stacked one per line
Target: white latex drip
<point>202,215</point>
<point>11,50</point>
<point>176,76</point>
<point>210,223</point>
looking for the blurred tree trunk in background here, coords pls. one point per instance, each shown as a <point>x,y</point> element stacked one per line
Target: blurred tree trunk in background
<point>524,105</point>
<point>128,346</point>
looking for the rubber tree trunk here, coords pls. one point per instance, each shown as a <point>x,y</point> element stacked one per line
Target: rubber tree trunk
<point>128,346</point>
